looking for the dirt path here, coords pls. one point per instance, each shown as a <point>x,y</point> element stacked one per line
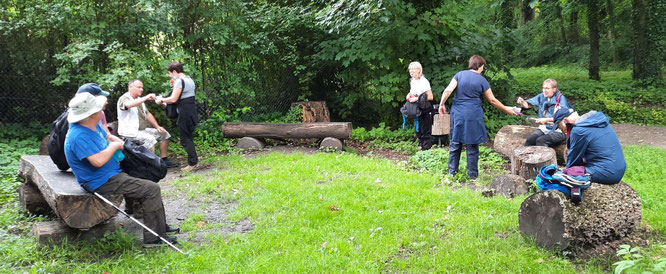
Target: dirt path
<point>630,134</point>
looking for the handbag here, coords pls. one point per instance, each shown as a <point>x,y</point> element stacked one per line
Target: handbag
<point>172,109</point>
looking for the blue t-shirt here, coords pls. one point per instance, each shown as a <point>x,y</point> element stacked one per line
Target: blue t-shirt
<point>82,142</point>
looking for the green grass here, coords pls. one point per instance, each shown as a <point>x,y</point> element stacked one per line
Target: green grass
<point>645,173</point>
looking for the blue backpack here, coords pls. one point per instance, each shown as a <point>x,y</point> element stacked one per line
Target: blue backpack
<point>550,178</point>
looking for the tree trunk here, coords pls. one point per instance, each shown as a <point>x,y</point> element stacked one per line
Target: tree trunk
<point>511,137</point>
<point>607,213</point>
<point>573,25</point>
<point>31,200</point>
<point>558,14</point>
<point>526,161</point>
<point>593,24</point>
<point>314,111</point>
<point>526,12</point>
<point>640,24</point>
<point>611,30</point>
<point>64,195</point>
<point>341,130</point>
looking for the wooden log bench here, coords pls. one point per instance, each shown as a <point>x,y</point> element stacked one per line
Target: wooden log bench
<point>61,192</point>
<point>510,137</point>
<point>607,213</point>
<point>331,134</point>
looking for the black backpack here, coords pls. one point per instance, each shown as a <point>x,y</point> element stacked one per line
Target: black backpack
<point>56,143</point>
<point>140,162</point>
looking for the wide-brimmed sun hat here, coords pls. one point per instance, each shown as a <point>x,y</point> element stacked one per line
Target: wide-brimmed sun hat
<point>93,89</point>
<point>83,105</point>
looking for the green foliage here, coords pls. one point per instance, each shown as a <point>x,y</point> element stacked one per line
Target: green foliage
<point>436,161</point>
<point>634,260</point>
<point>16,140</point>
<point>383,137</point>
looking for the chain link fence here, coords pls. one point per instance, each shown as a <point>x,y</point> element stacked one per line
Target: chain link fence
<point>29,99</point>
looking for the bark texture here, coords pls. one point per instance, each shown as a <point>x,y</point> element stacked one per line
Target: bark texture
<point>607,213</point>
<point>250,143</point>
<point>510,137</point>
<point>75,207</point>
<point>31,200</point>
<point>314,111</point>
<point>526,161</point>
<point>509,185</point>
<point>340,130</point>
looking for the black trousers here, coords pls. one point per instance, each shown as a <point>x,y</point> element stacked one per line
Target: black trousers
<point>425,130</point>
<point>147,193</point>
<point>538,138</point>
<point>187,122</point>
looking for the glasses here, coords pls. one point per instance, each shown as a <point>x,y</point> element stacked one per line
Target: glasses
<point>414,69</point>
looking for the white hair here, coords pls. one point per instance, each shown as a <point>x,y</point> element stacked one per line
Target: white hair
<point>416,65</point>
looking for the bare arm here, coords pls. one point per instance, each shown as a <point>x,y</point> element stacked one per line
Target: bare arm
<point>100,158</point>
<point>429,94</point>
<point>138,101</point>
<point>153,122</point>
<point>496,103</point>
<point>175,94</point>
<point>445,95</point>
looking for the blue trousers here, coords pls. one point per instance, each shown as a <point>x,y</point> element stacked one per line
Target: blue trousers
<point>472,159</point>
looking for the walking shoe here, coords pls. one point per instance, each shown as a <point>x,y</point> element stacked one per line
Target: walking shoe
<point>170,229</point>
<point>158,242</point>
<point>188,168</point>
<point>169,163</point>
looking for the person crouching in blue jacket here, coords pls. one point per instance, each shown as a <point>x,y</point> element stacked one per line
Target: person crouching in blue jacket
<point>593,146</point>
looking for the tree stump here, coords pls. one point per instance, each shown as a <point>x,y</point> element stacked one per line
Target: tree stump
<point>250,143</point>
<point>509,185</point>
<point>607,213</point>
<point>31,200</point>
<point>330,142</point>
<point>526,161</point>
<point>314,111</point>
<point>44,146</point>
<point>510,137</point>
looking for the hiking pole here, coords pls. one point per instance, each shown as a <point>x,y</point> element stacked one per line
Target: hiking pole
<point>132,218</point>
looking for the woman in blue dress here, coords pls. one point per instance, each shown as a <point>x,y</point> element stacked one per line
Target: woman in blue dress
<point>467,126</point>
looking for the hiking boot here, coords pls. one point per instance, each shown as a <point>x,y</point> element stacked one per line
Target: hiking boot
<point>159,242</point>
<point>170,229</point>
<point>169,163</point>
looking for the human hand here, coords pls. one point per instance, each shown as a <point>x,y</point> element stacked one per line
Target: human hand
<point>117,144</point>
<point>150,96</point>
<point>413,99</point>
<point>442,109</point>
<point>161,130</point>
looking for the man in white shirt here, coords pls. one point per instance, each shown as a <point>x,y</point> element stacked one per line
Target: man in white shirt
<point>136,122</point>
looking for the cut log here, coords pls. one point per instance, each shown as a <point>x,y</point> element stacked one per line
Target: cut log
<point>314,111</point>
<point>510,137</point>
<point>509,185</point>
<point>330,142</point>
<point>607,213</point>
<point>526,161</point>
<point>441,124</point>
<point>250,143</point>
<point>340,130</point>
<point>55,232</point>
<point>44,146</point>
<point>32,201</point>
<point>75,207</point>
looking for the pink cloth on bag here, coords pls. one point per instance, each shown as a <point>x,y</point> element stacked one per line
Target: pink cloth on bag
<point>574,171</point>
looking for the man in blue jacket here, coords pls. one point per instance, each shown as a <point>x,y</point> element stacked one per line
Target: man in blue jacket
<point>593,145</point>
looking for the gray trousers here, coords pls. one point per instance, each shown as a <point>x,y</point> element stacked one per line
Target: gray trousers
<point>146,192</point>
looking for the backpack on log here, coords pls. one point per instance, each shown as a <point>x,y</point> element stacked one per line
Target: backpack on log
<point>56,145</point>
<point>141,163</point>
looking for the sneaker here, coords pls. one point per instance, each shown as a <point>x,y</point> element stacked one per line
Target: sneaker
<point>188,168</point>
<point>169,163</point>
<point>159,242</point>
<point>170,229</point>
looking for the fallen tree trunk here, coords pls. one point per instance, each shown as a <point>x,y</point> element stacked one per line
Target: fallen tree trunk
<point>526,161</point>
<point>607,213</point>
<point>31,199</point>
<point>62,192</point>
<point>340,130</point>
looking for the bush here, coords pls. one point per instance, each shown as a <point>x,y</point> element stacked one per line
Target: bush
<point>436,161</point>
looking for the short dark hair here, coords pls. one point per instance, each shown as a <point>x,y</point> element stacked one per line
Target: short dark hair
<point>475,62</point>
<point>175,65</point>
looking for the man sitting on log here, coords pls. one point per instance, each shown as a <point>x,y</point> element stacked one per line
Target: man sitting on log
<point>136,122</point>
<point>91,159</point>
<point>593,146</point>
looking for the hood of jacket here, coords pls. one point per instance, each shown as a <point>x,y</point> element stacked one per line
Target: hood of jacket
<point>593,119</point>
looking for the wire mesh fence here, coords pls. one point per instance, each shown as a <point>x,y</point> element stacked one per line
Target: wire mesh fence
<point>28,99</point>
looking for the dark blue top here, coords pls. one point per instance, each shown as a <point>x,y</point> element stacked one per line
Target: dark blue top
<point>593,143</point>
<point>467,125</point>
<point>547,106</point>
<point>82,142</point>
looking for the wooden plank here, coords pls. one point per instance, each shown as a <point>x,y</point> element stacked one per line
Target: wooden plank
<point>67,199</point>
